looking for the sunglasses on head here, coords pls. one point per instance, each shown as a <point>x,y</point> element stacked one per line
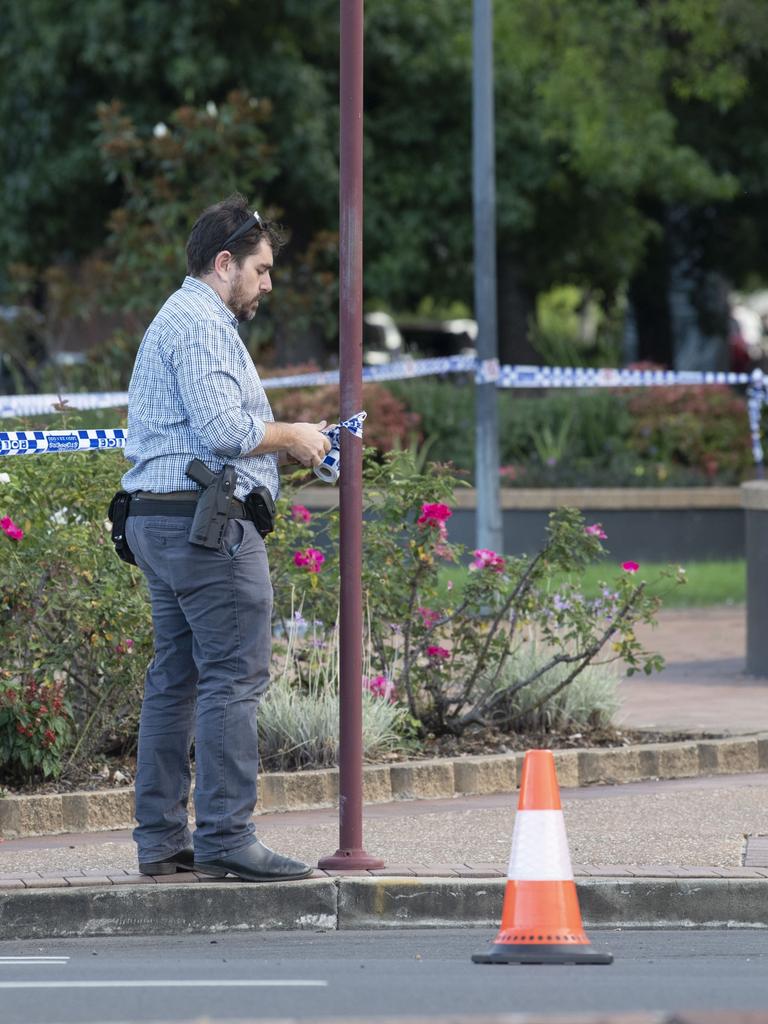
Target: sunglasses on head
<point>253,221</point>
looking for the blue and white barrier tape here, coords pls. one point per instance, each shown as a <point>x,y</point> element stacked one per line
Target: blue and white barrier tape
<point>485,371</point>
<point>588,377</point>
<point>35,405</point>
<point>36,442</point>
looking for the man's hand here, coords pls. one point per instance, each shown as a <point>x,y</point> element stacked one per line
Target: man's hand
<point>308,446</point>
<point>295,442</point>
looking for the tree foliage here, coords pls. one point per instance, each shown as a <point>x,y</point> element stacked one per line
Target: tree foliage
<point>619,122</point>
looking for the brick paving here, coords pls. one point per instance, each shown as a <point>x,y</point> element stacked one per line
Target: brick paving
<point>84,878</point>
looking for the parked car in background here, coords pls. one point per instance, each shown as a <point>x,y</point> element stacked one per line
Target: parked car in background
<point>387,339</point>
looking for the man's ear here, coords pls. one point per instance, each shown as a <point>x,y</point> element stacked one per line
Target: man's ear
<point>223,263</point>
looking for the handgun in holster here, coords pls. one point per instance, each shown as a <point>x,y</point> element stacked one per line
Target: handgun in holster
<point>213,505</point>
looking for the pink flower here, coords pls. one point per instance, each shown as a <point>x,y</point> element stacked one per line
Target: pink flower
<point>300,512</point>
<point>630,566</point>
<point>380,686</point>
<point>487,559</point>
<point>437,652</point>
<point>428,616</point>
<point>8,526</point>
<point>434,514</point>
<point>311,559</point>
<point>596,530</point>
<point>449,585</point>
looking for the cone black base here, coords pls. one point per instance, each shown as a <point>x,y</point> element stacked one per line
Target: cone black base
<point>523,953</point>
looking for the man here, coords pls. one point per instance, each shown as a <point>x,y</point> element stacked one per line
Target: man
<point>195,393</point>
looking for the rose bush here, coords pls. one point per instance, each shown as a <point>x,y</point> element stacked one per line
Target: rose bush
<point>72,616</point>
<point>76,636</point>
<point>446,658</point>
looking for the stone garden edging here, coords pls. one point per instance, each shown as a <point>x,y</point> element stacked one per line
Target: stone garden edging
<point>99,810</point>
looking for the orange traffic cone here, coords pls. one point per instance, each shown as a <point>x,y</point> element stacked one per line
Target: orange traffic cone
<point>541,921</point>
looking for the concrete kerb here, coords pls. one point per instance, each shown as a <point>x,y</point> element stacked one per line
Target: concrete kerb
<point>327,904</point>
<point>24,816</point>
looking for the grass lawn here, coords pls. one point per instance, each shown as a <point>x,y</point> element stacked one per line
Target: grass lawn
<point>708,582</point>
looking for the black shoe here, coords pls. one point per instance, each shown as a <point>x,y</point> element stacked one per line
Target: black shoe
<point>255,863</point>
<point>181,861</point>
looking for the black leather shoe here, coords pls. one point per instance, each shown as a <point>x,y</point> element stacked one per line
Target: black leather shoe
<point>255,863</point>
<point>181,861</point>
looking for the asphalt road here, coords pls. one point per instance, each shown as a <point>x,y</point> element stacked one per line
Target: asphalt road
<point>368,974</point>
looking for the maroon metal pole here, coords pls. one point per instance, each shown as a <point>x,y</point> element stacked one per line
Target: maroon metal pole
<point>351,854</point>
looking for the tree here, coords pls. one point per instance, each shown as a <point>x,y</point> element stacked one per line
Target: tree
<point>628,132</point>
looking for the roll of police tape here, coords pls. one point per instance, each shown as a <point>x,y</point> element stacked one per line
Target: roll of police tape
<point>36,442</point>
<point>329,469</point>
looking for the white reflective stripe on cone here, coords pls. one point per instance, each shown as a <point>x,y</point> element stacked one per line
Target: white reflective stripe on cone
<point>539,848</point>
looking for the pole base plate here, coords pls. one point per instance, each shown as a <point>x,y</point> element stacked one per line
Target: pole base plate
<point>350,860</point>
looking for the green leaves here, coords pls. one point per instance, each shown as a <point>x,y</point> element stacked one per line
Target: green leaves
<point>71,614</point>
<point>449,656</point>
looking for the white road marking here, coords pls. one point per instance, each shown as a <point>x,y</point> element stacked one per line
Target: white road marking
<point>34,959</point>
<point>192,983</point>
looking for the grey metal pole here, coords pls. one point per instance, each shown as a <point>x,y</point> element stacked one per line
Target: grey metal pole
<point>350,854</point>
<point>488,524</point>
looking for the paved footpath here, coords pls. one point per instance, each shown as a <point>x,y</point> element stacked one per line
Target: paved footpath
<point>665,853</point>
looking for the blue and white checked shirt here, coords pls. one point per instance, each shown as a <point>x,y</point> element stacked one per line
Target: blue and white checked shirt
<point>195,393</point>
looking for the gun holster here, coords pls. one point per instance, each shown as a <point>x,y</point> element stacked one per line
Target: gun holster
<point>118,514</point>
<point>213,505</point>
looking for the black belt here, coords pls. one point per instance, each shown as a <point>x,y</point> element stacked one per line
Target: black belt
<point>181,507</point>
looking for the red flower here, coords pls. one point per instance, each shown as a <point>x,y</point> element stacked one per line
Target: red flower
<point>434,514</point>
<point>487,559</point>
<point>380,686</point>
<point>630,566</point>
<point>428,616</point>
<point>437,652</point>
<point>311,559</point>
<point>8,526</point>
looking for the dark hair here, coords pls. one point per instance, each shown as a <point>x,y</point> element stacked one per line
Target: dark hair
<point>216,224</point>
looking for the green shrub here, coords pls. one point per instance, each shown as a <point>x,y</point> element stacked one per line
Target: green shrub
<point>299,728</point>
<point>703,429</point>
<point>445,657</point>
<point>75,621</point>
<point>589,702</point>
<point>674,436</point>
<point>35,727</point>
<point>71,614</point>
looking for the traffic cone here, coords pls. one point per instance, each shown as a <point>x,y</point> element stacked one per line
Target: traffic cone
<point>540,921</point>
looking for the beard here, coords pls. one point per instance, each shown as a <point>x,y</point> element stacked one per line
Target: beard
<point>243,306</point>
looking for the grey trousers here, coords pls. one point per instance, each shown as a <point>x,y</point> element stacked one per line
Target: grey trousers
<point>211,612</point>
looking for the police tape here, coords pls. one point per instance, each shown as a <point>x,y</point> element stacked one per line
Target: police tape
<point>36,405</point>
<point>36,442</point>
<point>486,371</point>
